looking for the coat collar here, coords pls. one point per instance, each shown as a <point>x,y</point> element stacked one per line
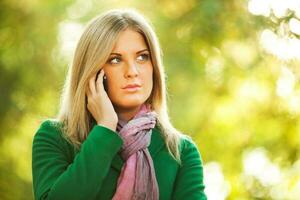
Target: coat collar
<point>156,144</point>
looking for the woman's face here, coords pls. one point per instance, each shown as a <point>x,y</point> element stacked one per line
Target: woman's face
<point>129,71</point>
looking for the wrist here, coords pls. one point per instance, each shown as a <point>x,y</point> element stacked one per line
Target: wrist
<point>108,125</point>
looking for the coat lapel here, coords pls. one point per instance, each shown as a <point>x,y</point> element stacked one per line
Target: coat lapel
<point>157,143</point>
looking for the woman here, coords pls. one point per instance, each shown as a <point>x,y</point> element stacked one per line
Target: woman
<point>112,138</point>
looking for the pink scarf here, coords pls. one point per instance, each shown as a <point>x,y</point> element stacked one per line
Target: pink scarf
<point>137,180</point>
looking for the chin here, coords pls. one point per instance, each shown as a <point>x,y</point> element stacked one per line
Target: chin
<point>130,102</point>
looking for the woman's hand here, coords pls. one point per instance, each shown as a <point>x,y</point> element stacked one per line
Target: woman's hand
<point>99,104</point>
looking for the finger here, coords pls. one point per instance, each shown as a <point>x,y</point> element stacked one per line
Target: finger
<point>99,86</point>
<point>92,85</point>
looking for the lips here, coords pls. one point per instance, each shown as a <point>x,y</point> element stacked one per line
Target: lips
<point>131,86</point>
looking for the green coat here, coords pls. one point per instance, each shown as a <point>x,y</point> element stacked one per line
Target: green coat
<point>60,172</point>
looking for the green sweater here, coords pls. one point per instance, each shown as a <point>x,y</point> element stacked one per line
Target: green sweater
<point>61,172</point>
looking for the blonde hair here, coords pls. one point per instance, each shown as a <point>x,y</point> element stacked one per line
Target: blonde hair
<point>92,51</point>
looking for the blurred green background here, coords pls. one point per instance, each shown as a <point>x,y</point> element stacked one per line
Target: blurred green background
<point>233,80</point>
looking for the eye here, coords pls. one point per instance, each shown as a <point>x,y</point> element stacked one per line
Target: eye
<point>143,57</point>
<point>114,60</point>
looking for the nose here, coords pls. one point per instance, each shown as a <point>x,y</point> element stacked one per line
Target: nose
<point>131,70</point>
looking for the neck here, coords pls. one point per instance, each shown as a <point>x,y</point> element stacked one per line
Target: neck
<point>127,114</point>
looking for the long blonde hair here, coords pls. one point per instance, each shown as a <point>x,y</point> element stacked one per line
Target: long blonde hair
<point>92,51</point>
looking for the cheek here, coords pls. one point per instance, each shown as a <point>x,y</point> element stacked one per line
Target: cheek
<point>113,88</point>
<point>113,83</point>
<point>148,80</point>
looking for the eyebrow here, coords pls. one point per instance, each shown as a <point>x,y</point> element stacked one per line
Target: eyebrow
<point>136,52</point>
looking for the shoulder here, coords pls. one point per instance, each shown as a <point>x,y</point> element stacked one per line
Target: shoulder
<point>188,147</point>
<point>49,140</point>
<point>50,127</point>
<point>186,142</point>
<point>49,131</point>
<point>50,124</point>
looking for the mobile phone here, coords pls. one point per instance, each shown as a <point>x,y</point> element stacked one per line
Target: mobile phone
<point>104,80</point>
